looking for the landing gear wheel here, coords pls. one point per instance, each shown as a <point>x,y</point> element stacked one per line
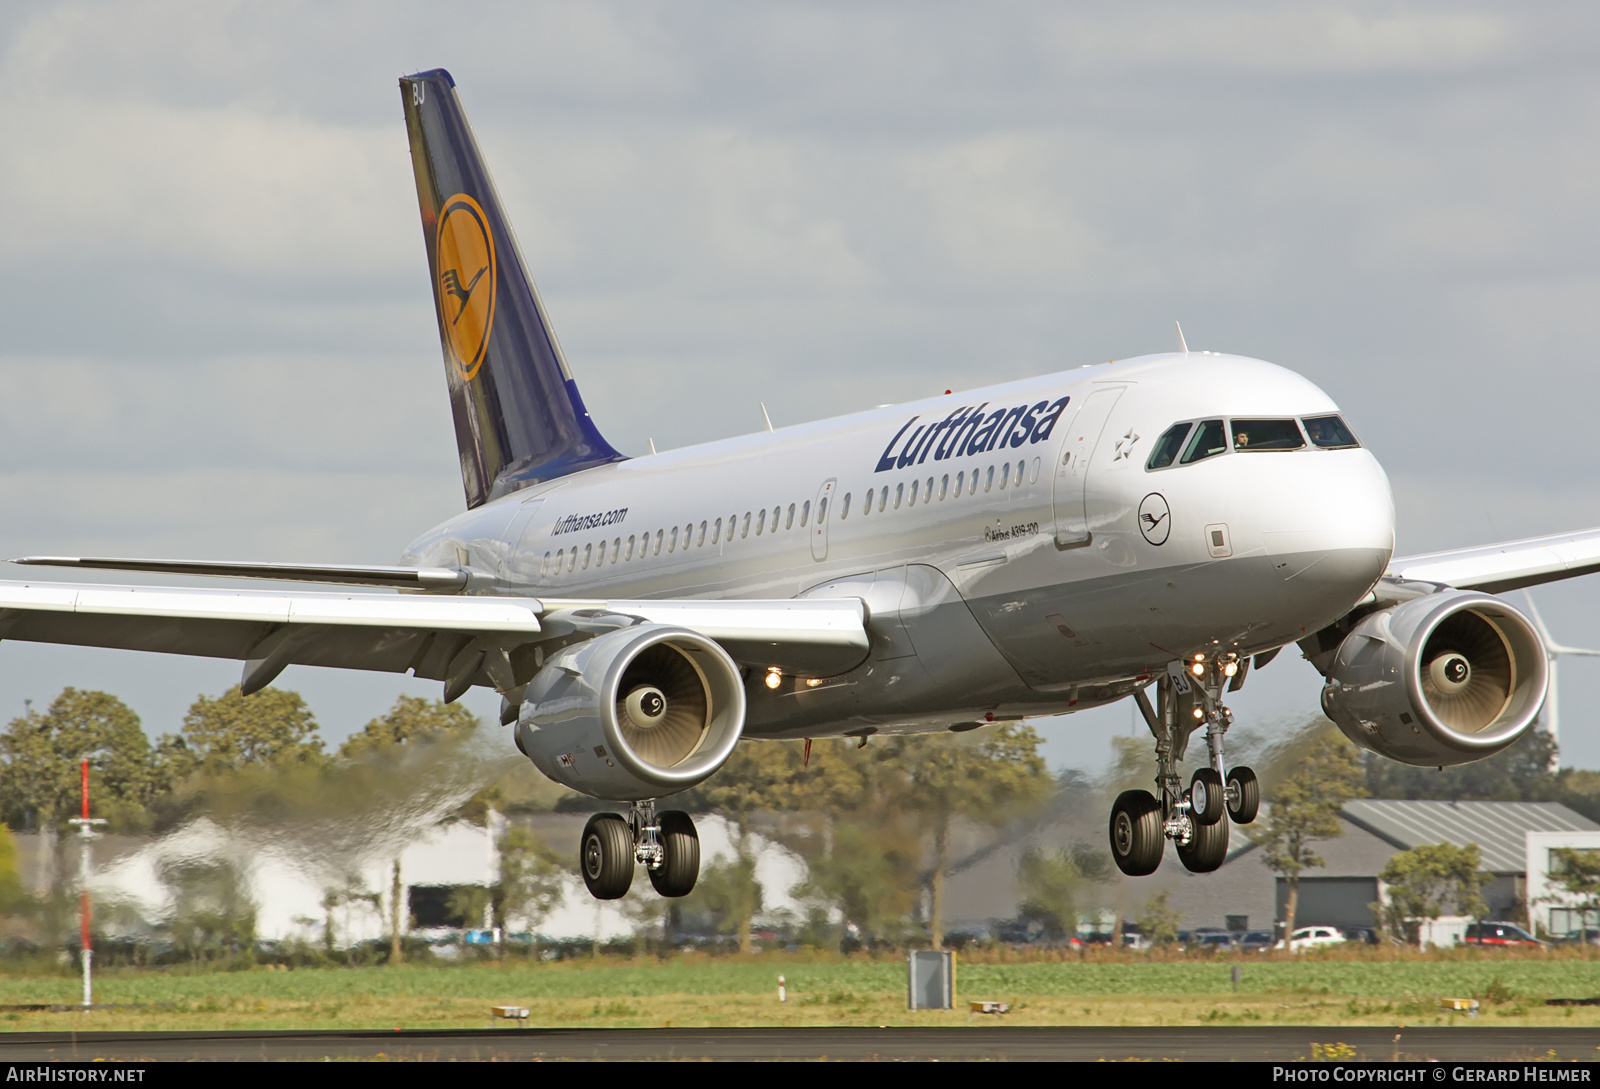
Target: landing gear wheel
<point>1136,836</point>
<point>606,856</point>
<point>1206,797</point>
<point>680,860</point>
<point>1244,795</point>
<point>1206,848</point>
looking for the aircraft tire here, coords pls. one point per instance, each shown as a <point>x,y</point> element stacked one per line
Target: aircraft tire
<point>1206,848</point>
<point>606,856</point>
<point>1246,801</point>
<point>680,862</point>
<point>1137,841</point>
<point>1207,785</point>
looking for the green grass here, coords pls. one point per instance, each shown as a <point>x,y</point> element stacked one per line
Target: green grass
<point>1388,980</point>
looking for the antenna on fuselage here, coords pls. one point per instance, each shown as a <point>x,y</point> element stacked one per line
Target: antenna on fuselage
<point>764,415</point>
<point>652,443</point>
<point>1183,345</point>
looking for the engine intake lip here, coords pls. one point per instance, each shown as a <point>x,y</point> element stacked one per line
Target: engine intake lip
<point>1520,661</point>
<point>724,695</point>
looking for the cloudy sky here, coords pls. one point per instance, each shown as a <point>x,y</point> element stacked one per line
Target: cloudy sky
<point>215,325</point>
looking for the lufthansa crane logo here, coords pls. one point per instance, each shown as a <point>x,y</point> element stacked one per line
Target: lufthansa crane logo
<point>465,267</point>
<point>1155,520</point>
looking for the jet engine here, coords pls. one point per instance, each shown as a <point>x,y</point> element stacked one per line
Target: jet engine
<point>636,713</point>
<point>1447,678</point>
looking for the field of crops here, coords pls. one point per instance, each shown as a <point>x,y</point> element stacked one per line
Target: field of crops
<point>730,991</point>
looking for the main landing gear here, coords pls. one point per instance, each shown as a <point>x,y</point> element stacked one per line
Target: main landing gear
<point>666,845</point>
<point>1196,819</point>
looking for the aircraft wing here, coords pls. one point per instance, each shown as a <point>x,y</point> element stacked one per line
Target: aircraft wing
<point>1510,565</point>
<point>462,641</point>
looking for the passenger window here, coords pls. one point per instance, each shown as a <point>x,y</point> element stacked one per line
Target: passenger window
<point>745,532</point>
<point>716,531</point>
<point>1005,475</point>
<point>1210,439</point>
<point>972,489</point>
<point>777,512</point>
<point>1267,435</point>
<point>600,556</point>
<point>822,510</point>
<point>788,523</point>
<point>899,494</point>
<point>805,512</point>
<point>927,492</point>
<point>588,550</point>
<point>944,486</point>
<point>1329,432</point>
<point>544,565</point>
<point>702,538</point>
<point>761,520</point>
<point>672,542</point>
<point>1167,446</point>
<point>1020,466</point>
<point>844,508</point>
<point>883,498</point>
<point>572,560</point>
<point>961,482</point>
<point>630,547</point>
<point>915,484</point>
<point>658,542</point>
<point>988,480</point>
<point>1033,475</point>
<point>866,504</point>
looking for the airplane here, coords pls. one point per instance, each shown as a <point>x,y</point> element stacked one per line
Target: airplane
<point>1162,524</point>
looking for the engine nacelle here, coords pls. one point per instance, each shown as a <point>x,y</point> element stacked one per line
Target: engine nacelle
<point>636,713</point>
<point>1444,679</point>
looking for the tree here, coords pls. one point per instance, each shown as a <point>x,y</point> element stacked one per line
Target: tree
<point>12,893</point>
<point>411,719</point>
<point>1520,773</point>
<point>1159,923</point>
<point>1576,872</point>
<point>532,878</point>
<point>213,913</point>
<point>270,728</point>
<point>1051,884</point>
<point>1422,882</point>
<point>1305,809</point>
<point>984,777</point>
<point>760,777</point>
<point>40,754</point>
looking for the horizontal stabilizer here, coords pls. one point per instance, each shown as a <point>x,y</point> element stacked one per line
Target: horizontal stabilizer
<point>402,578</point>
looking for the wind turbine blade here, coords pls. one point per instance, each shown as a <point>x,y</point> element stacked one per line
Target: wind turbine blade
<point>1538,621</point>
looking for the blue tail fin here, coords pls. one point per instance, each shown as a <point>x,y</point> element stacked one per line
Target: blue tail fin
<point>518,414</point>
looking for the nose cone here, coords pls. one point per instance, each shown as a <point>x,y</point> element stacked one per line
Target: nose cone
<point>1329,527</point>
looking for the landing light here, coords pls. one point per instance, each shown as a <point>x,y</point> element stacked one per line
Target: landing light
<point>1230,669</point>
<point>812,682</point>
<point>774,678</point>
<point>1197,669</point>
<point>1199,713</point>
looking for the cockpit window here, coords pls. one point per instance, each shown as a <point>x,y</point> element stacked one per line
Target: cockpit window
<point>1167,446</point>
<point>1210,439</point>
<point>1329,432</point>
<point>1266,435</point>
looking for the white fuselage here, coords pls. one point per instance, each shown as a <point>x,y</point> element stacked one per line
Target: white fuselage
<point>1006,571</point>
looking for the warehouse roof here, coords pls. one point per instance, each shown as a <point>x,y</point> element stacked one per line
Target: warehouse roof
<point>1498,828</point>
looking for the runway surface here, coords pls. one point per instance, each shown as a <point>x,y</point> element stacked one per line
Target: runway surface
<point>981,1041</point>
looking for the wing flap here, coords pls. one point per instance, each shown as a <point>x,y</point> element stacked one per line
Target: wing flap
<point>421,578</point>
<point>1509,565</point>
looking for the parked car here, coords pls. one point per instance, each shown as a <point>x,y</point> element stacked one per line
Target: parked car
<point>1256,941</point>
<point>1499,934</point>
<point>1312,937</point>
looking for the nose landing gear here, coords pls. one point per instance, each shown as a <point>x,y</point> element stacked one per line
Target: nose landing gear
<point>1188,697</point>
<point>667,846</point>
